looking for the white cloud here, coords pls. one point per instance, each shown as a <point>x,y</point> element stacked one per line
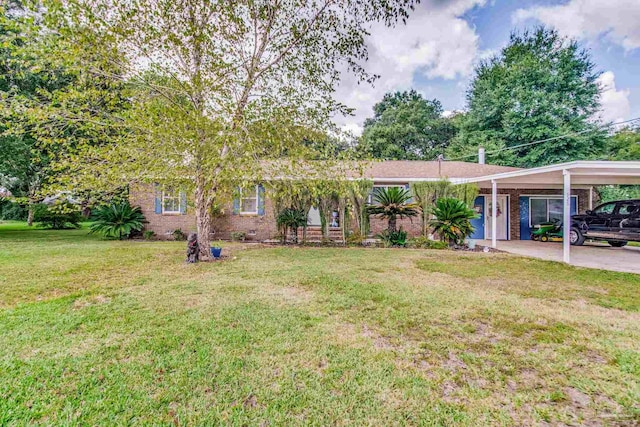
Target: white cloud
<point>436,42</point>
<point>615,20</point>
<point>352,128</point>
<point>615,103</point>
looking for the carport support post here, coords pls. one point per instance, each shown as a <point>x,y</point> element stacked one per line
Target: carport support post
<point>566,216</point>
<point>494,213</point>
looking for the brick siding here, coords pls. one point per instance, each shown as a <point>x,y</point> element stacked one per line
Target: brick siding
<point>514,203</point>
<point>259,228</point>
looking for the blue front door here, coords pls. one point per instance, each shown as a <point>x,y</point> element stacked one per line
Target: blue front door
<point>478,223</point>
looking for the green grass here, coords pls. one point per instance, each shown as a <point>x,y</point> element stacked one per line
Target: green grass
<point>98,332</point>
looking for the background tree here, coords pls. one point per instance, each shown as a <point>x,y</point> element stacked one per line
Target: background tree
<point>624,145</point>
<point>241,81</point>
<point>52,105</point>
<point>405,125</point>
<point>540,86</point>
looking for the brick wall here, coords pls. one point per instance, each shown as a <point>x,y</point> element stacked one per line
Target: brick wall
<point>413,226</point>
<point>163,225</point>
<point>256,227</point>
<point>514,205</point>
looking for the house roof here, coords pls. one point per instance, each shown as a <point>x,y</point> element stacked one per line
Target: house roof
<point>412,170</point>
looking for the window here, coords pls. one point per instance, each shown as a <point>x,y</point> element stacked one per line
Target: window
<point>249,200</point>
<point>545,210</point>
<point>605,209</point>
<point>627,208</point>
<point>170,201</point>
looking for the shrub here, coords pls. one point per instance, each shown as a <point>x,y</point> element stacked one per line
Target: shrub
<point>58,216</point>
<point>393,238</point>
<point>238,236</point>
<point>355,238</point>
<point>291,219</point>
<point>178,234</point>
<point>425,243</point>
<point>452,220</point>
<point>149,234</point>
<point>12,211</point>
<point>117,220</point>
<point>393,203</point>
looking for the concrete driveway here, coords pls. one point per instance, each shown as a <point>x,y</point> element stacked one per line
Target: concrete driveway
<point>593,255</point>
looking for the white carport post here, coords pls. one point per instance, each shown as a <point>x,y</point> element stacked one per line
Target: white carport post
<point>494,213</point>
<point>566,216</point>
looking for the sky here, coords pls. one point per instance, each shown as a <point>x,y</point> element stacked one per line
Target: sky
<point>436,51</point>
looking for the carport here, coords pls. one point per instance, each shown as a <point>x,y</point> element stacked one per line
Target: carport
<point>578,174</point>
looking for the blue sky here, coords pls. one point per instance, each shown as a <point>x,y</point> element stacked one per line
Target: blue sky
<point>436,51</point>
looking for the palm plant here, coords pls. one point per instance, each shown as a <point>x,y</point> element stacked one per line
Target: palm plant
<point>117,220</point>
<point>393,203</point>
<point>452,220</point>
<point>290,218</point>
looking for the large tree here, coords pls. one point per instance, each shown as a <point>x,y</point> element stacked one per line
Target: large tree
<point>624,145</point>
<point>47,100</point>
<point>222,85</point>
<point>405,125</point>
<point>540,86</point>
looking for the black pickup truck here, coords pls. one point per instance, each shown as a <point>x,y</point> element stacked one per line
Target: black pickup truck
<point>614,222</point>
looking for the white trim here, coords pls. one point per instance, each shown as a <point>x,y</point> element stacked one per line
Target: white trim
<point>257,197</point>
<point>561,167</point>
<point>494,213</point>
<point>566,216</point>
<point>507,209</point>
<point>165,196</point>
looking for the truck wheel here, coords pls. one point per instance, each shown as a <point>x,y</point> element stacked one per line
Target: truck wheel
<point>575,237</point>
<point>616,244</point>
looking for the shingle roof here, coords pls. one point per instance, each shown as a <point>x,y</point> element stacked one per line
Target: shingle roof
<point>398,169</point>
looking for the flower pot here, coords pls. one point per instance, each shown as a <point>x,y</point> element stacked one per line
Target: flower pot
<point>216,252</point>
<point>471,243</point>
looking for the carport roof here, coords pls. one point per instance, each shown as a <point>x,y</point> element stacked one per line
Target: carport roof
<point>598,172</point>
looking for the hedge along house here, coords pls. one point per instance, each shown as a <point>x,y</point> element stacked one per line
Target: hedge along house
<point>252,211</point>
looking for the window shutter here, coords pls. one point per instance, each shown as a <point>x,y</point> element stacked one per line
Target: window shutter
<point>183,202</point>
<point>236,202</point>
<point>260,200</point>
<point>158,202</point>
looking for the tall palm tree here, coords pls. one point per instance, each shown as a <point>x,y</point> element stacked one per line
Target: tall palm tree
<point>393,203</point>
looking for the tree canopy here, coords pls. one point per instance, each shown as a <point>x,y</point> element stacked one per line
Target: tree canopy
<point>51,102</point>
<point>540,86</point>
<point>405,125</point>
<point>219,86</point>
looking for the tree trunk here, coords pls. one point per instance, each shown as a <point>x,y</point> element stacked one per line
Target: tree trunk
<point>392,224</point>
<point>30,216</point>
<point>203,220</point>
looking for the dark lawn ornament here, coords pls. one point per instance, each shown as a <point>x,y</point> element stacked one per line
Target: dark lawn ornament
<point>192,248</point>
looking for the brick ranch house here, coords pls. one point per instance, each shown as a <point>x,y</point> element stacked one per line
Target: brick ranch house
<point>252,213</point>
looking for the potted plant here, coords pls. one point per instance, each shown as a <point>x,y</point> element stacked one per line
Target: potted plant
<point>216,252</point>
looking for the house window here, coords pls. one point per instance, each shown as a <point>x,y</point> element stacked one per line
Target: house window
<point>249,200</point>
<point>170,201</point>
<point>545,210</point>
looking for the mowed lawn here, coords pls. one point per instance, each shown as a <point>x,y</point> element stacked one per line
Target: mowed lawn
<point>97,332</point>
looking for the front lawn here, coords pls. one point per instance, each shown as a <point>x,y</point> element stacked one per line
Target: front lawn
<point>121,333</point>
